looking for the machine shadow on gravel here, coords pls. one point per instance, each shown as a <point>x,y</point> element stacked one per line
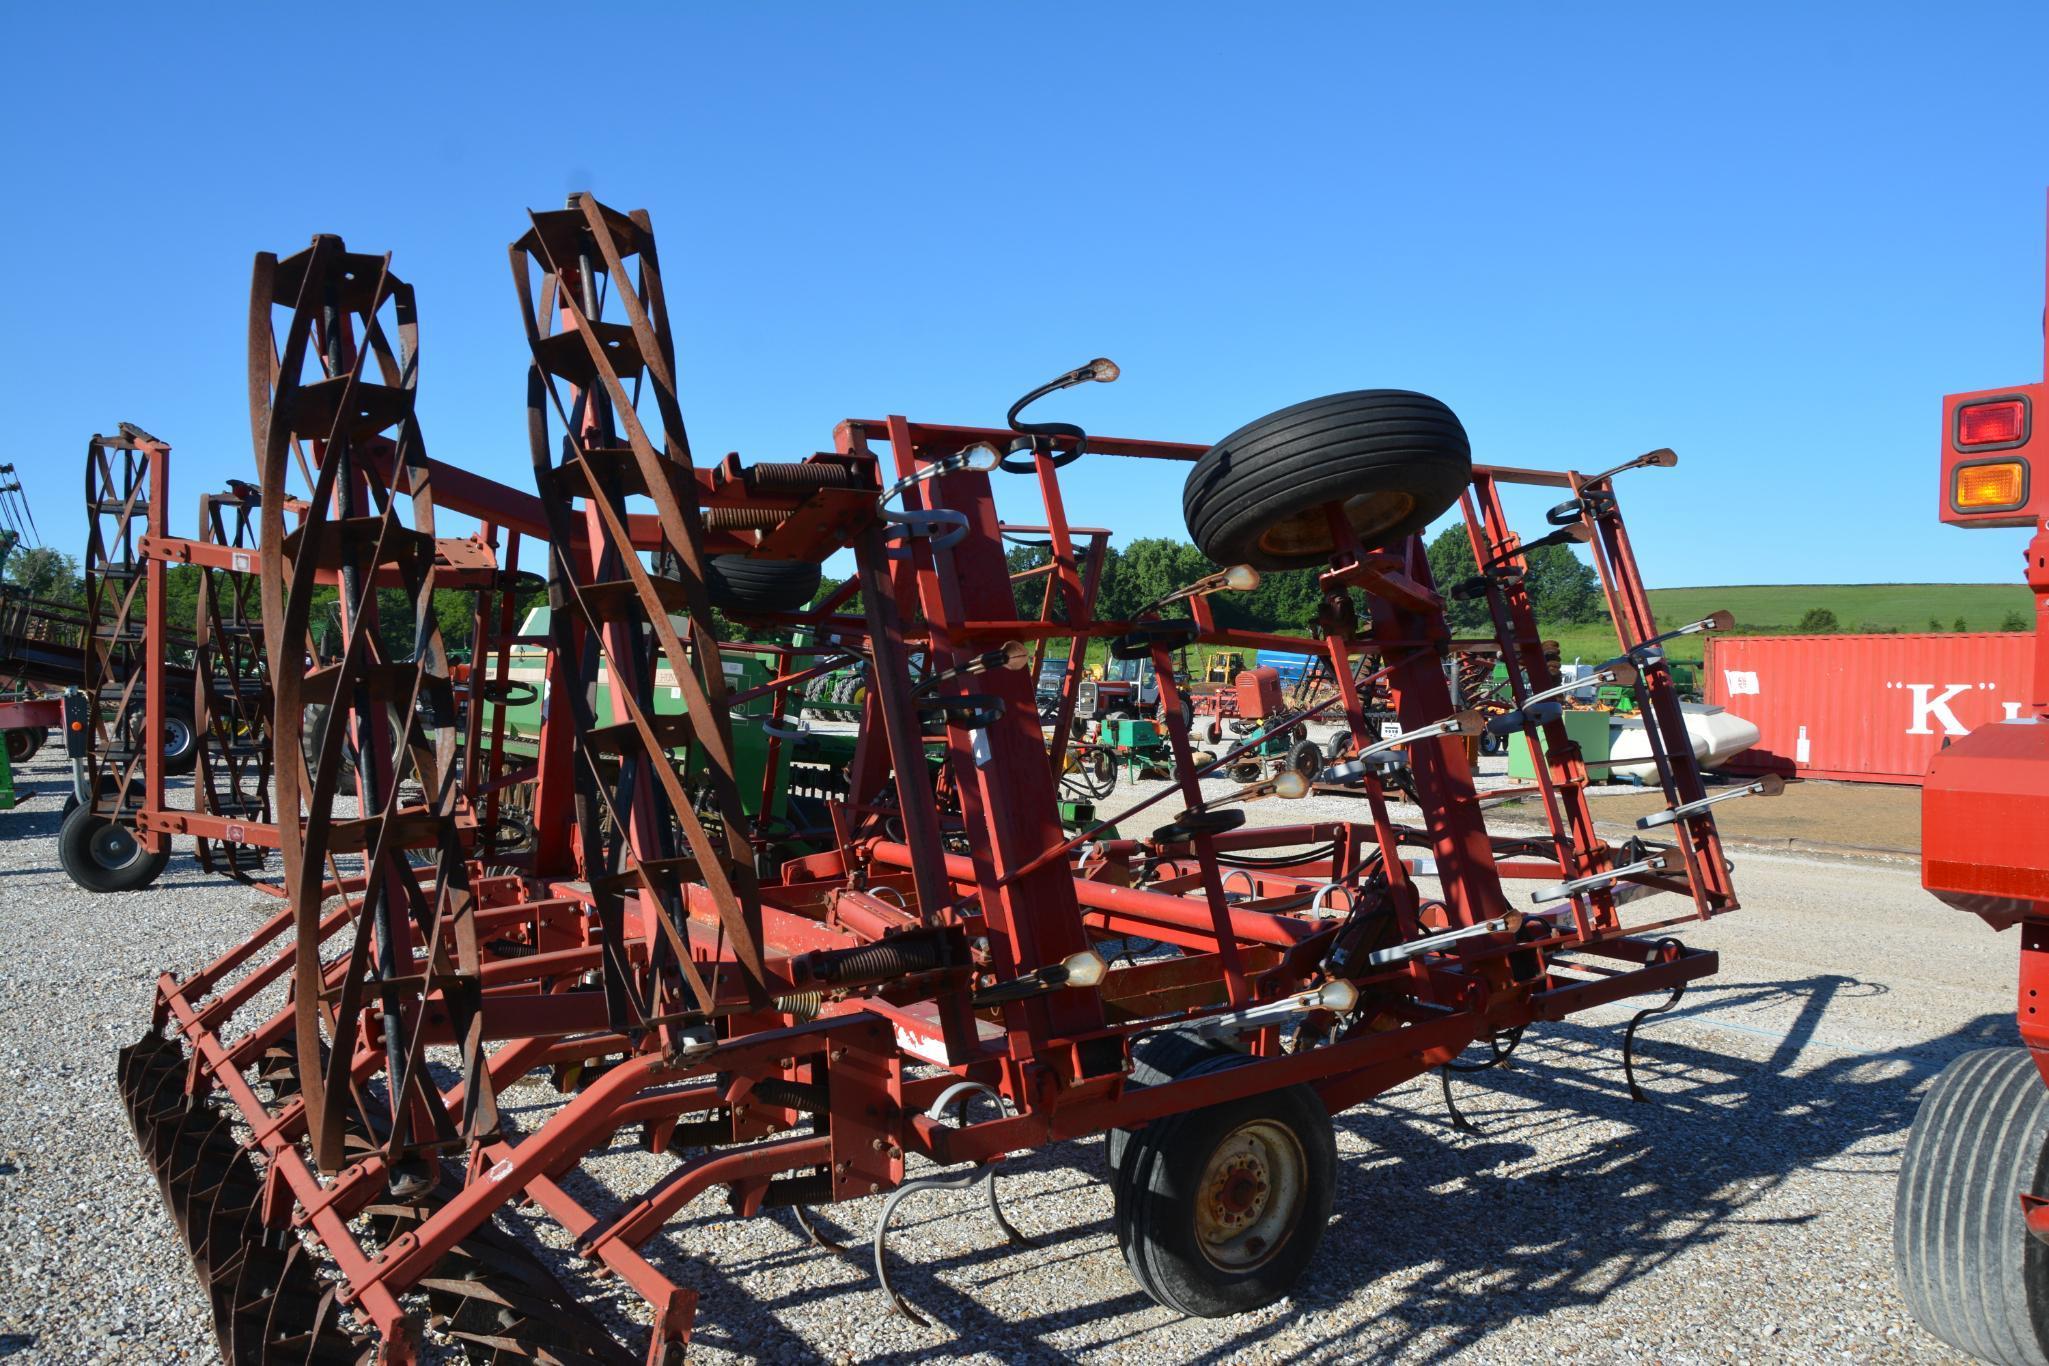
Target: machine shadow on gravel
<point>1479,1246</point>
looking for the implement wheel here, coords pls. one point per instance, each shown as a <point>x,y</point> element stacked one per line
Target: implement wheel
<point>1220,1210</point>
<point>104,856</point>
<point>1970,1271</point>
<point>1391,459</point>
<point>738,583</point>
<point>23,744</point>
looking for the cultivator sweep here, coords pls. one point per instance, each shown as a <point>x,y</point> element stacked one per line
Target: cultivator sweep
<point>934,965</point>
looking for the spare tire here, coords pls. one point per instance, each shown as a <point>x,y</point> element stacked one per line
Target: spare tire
<point>1395,460</point>
<point>740,583</point>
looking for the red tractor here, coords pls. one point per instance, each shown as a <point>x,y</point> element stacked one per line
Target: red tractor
<point>1971,1220</point>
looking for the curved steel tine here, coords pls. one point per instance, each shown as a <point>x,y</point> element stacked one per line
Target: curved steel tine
<point>803,1216</point>
<point>1017,1237</point>
<point>1629,1040</point>
<point>960,1093</point>
<point>961,1182</point>
<point>1458,1119</point>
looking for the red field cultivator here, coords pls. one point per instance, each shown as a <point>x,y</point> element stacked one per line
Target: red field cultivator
<point>945,972</point>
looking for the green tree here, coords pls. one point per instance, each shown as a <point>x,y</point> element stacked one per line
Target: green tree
<point>1563,587</point>
<point>1148,569</point>
<point>1819,621</point>
<point>1030,595</point>
<point>2014,621</point>
<point>1452,563</point>
<point>1934,625</point>
<point>1960,626</point>
<point>40,572</point>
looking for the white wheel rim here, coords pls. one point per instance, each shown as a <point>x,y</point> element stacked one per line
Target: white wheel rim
<point>1250,1196</point>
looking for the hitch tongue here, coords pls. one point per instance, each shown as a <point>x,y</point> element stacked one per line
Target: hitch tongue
<point>1770,785</point>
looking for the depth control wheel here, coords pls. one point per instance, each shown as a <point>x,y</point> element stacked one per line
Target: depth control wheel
<point>1390,460</point>
<point>104,856</point>
<point>1969,1269</point>
<point>1220,1210</point>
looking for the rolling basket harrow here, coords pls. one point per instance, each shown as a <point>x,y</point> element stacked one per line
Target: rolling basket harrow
<point>930,974</point>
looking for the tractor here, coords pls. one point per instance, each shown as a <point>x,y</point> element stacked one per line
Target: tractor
<point>1971,1215</point>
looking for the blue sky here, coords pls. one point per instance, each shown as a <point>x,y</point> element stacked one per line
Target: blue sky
<point>1771,237</point>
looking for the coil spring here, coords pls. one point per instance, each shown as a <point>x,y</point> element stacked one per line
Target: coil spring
<point>801,1006</point>
<point>877,962</point>
<point>799,476</point>
<point>743,518</point>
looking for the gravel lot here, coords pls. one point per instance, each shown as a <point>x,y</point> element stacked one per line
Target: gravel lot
<point>1745,1213</point>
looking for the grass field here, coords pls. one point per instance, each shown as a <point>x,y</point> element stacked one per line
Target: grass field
<point>1776,609</point>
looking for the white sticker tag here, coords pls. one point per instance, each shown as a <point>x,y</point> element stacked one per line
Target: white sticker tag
<point>241,562</point>
<point>1742,682</point>
<point>1390,729</point>
<point>499,1172</point>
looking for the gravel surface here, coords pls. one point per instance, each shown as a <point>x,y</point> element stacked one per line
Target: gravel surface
<point>1743,1213</point>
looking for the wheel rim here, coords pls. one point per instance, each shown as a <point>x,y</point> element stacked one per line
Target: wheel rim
<point>1308,531</point>
<point>1251,1195</point>
<point>177,737</point>
<point>113,847</point>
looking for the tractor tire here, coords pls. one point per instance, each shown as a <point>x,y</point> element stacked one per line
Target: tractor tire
<point>1394,459</point>
<point>1220,1210</point>
<point>1306,759</point>
<point>103,856</point>
<point>1966,1264</point>
<point>739,583</point>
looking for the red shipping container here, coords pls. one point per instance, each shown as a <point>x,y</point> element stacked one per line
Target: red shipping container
<point>1871,708</point>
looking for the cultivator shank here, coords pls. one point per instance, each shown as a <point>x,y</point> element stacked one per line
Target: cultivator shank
<point>794,997</point>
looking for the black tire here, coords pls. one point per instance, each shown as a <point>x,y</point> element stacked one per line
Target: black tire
<point>103,856</point>
<point>1395,459</point>
<point>1966,1264</point>
<point>1220,1210</point>
<point>23,744</point>
<point>180,738</point>
<point>738,583</point>
<point>181,744</point>
<point>1156,1060</point>
<point>1306,759</point>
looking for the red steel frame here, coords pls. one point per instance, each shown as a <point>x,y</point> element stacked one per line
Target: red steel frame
<point>1985,801</point>
<point>733,1006</point>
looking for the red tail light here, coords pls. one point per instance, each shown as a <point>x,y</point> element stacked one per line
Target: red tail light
<point>2002,423</point>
